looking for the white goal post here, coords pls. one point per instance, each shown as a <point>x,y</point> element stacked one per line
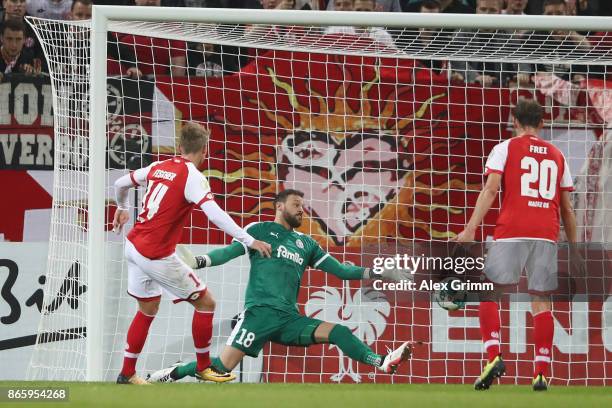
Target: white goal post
<point>216,26</point>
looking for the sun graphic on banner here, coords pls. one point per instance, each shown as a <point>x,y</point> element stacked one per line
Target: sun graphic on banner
<point>350,154</point>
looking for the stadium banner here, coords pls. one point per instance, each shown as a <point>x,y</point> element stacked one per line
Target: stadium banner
<point>144,118</point>
<point>27,145</point>
<point>26,124</point>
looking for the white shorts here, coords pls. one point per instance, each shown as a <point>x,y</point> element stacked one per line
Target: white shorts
<point>507,259</point>
<point>147,277</point>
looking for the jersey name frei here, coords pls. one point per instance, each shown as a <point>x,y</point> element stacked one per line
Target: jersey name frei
<point>534,172</point>
<point>174,188</point>
<point>275,281</point>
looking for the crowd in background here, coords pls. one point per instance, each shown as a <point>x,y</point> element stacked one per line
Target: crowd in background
<point>144,56</point>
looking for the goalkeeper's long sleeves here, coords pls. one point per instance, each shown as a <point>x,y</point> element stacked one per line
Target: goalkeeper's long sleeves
<point>330,264</point>
<point>343,271</point>
<point>222,255</point>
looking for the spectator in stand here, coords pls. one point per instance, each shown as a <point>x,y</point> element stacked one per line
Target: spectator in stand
<point>516,7</point>
<point>581,8</point>
<point>15,58</point>
<point>488,42</point>
<point>172,3</point>
<point>16,9</point>
<point>561,43</point>
<point>211,65</point>
<point>341,5</point>
<point>51,9</point>
<point>156,56</point>
<point>446,6</point>
<point>162,3</point>
<point>431,40</point>
<point>430,6</point>
<point>253,32</point>
<point>378,34</point>
<point>427,39</point>
<point>275,4</point>
<point>381,5</point>
<point>204,3</point>
<point>81,10</point>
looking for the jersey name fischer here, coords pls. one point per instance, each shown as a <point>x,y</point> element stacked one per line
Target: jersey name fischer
<point>166,175</point>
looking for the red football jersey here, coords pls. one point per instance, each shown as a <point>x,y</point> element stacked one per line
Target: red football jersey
<point>174,188</point>
<point>534,172</point>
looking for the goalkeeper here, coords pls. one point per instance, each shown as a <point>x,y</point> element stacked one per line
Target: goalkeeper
<point>270,303</point>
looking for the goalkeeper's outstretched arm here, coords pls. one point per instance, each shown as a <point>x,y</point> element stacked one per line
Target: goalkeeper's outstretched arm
<point>213,258</point>
<point>352,272</point>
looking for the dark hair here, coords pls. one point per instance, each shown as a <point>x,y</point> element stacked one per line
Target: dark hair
<point>283,195</point>
<point>553,3</point>
<point>528,113</point>
<point>499,2</point>
<point>83,2</point>
<point>13,25</point>
<point>430,4</point>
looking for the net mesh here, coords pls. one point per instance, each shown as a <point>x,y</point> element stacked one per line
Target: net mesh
<point>380,130</point>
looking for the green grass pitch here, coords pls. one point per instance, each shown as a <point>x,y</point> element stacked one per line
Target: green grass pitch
<point>316,396</point>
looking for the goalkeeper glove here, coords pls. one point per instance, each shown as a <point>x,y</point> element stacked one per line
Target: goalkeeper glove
<point>194,262</point>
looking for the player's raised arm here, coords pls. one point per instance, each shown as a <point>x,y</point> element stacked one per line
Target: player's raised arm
<point>197,191</point>
<point>222,220</point>
<point>122,189</point>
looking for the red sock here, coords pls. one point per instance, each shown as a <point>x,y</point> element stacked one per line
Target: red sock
<point>201,329</point>
<point>488,315</point>
<point>136,337</point>
<point>544,330</point>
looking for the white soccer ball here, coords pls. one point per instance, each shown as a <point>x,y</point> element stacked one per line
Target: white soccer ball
<point>449,298</point>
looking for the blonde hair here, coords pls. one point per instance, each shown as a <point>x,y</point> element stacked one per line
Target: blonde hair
<point>193,137</point>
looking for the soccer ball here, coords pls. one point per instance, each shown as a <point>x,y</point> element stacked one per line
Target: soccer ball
<point>450,299</point>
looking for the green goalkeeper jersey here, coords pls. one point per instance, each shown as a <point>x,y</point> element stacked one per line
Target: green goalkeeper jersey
<point>275,281</point>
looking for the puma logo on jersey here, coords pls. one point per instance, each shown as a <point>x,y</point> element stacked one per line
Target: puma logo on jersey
<point>167,175</point>
<point>282,252</point>
<point>274,234</point>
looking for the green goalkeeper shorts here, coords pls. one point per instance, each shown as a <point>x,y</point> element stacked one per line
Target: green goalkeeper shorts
<point>259,324</point>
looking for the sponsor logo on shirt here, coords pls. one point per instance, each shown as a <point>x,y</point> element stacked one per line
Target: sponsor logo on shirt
<point>274,234</point>
<point>282,252</point>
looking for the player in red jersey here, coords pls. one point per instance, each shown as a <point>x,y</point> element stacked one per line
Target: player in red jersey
<point>174,188</point>
<point>536,185</point>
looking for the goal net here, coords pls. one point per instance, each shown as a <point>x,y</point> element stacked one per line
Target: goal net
<point>384,125</point>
